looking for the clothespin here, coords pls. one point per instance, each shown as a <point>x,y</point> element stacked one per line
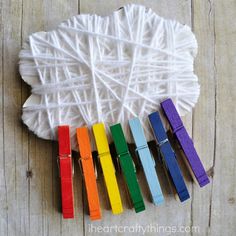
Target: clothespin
<point>88,172</point>
<point>147,161</point>
<point>185,142</point>
<point>65,165</point>
<point>127,167</point>
<point>107,168</point>
<point>168,156</point>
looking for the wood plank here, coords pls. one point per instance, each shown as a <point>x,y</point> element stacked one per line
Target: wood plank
<point>172,212</point>
<point>15,163</point>
<point>223,204</point>
<point>45,204</point>
<point>204,112</point>
<point>3,192</point>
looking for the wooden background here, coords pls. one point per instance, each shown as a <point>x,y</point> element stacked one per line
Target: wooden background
<point>29,184</point>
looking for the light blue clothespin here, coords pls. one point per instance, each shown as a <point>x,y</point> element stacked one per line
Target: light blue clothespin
<point>146,160</point>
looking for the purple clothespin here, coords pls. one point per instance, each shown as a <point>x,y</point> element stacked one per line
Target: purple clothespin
<point>185,142</point>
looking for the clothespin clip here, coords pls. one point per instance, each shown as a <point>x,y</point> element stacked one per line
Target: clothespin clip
<point>107,168</point>
<point>168,156</point>
<point>88,172</point>
<point>146,160</point>
<point>127,167</point>
<point>186,143</point>
<point>65,166</point>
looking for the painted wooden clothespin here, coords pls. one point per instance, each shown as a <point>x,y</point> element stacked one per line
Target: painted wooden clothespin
<point>147,161</point>
<point>107,168</point>
<point>127,167</point>
<point>66,174</point>
<point>185,142</point>
<point>168,156</point>
<point>86,160</point>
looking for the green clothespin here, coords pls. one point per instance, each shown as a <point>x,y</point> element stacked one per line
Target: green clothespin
<point>127,167</point>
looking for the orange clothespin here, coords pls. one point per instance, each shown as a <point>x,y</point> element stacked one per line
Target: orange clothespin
<point>88,172</point>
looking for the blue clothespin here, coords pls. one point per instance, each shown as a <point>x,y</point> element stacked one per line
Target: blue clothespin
<point>146,160</point>
<point>168,156</point>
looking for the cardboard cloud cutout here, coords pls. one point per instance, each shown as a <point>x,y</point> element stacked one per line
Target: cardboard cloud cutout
<point>107,69</point>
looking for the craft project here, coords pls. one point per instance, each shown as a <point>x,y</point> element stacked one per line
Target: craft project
<point>107,69</point>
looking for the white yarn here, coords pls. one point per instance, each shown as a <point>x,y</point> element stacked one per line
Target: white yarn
<point>107,69</point>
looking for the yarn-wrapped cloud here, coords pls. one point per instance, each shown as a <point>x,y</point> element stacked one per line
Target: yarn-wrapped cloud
<point>107,69</point>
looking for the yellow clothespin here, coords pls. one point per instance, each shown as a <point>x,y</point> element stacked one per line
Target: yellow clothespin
<point>107,168</point>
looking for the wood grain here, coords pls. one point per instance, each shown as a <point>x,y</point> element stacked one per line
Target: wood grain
<point>29,181</point>
<point>223,204</point>
<point>204,112</point>
<point>14,206</point>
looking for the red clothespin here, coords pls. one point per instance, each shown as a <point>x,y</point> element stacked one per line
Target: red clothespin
<point>65,166</point>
